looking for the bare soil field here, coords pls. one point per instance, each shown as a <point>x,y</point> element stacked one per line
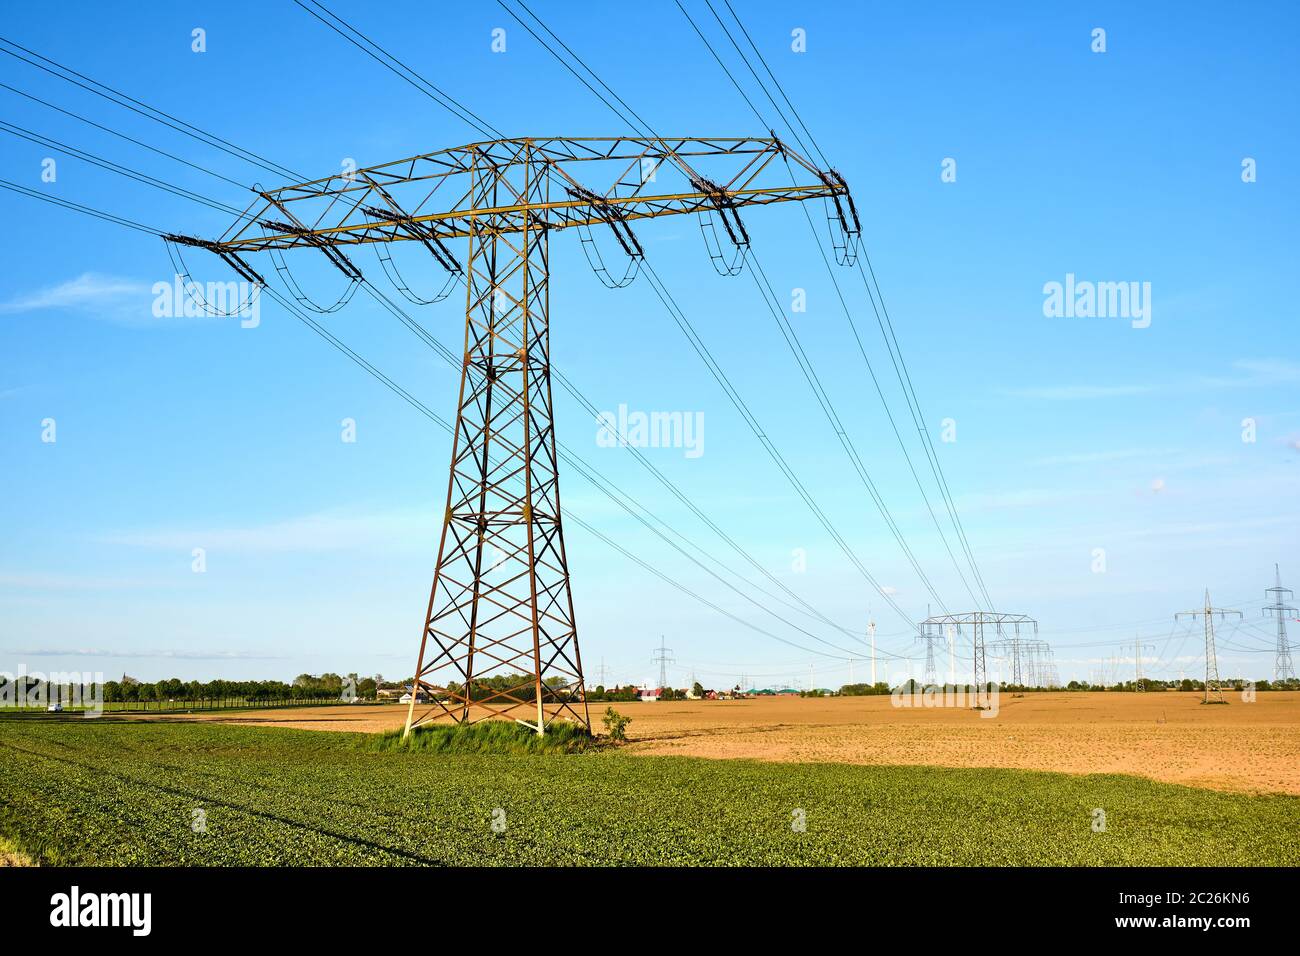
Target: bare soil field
<point>1170,737</point>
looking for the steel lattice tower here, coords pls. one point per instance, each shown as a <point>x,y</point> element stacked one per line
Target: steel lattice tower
<point>1282,668</point>
<point>977,621</point>
<point>931,674</point>
<point>501,598</point>
<point>663,656</point>
<point>499,634</point>
<point>1213,690</point>
<point>1020,652</point>
<point>1138,648</point>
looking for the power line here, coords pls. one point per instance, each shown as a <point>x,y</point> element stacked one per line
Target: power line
<point>115,168</point>
<point>848,315</point>
<point>657,284</point>
<point>739,89</point>
<point>611,491</point>
<point>571,459</point>
<point>714,369</point>
<point>113,132</point>
<point>909,392</point>
<point>832,415</point>
<point>77,207</point>
<point>777,82</point>
<point>125,171</point>
<point>389,57</point>
<point>102,163</point>
<point>578,59</point>
<point>424,410</point>
<point>681,496</point>
<point>148,112</point>
<point>439,96</point>
<point>844,305</point>
<point>914,406</point>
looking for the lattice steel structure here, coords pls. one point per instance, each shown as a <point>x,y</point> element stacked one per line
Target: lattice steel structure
<point>663,656</point>
<point>1213,690</point>
<point>500,635</point>
<point>977,621</point>
<point>1282,668</point>
<point>1016,650</point>
<point>931,636</point>
<point>1139,682</point>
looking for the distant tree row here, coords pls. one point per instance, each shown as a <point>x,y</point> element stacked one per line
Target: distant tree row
<point>1188,684</point>
<point>519,686</point>
<point>865,690</point>
<point>602,693</point>
<point>305,687</point>
<point>221,693</point>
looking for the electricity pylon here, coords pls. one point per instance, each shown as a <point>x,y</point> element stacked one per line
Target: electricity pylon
<point>977,620</point>
<point>663,656</point>
<point>932,634</point>
<point>1213,691</point>
<point>871,630</point>
<point>500,634</point>
<point>1282,669</point>
<point>1138,648</point>
<point>1019,651</point>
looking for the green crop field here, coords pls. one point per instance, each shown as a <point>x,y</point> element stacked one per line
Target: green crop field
<point>115,792</point>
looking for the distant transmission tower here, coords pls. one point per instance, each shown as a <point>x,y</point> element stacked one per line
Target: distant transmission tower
<point>1213,690</point>
<point>1282,669</point>
<point>664,657</point>
<point>931,634</point>
<point>1040,668</point>
<point>1138,648</point>
<point>871,629</point>
<point>1020,653</point>
<point>978,620</point>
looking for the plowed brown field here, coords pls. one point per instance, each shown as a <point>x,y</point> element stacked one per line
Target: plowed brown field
<point>1170,737</point>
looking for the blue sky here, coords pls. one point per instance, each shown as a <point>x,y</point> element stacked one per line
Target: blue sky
<point>1073,434</point>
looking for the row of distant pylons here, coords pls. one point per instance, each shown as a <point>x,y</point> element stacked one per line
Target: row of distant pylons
<point>1278,609</point>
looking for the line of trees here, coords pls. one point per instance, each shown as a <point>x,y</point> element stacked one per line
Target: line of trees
<point>865,690</point>
<point>305,688</point>
<point>612,694</point>
<point>1148,684</point>
<point>1188,684</point>
<point>554,689</point>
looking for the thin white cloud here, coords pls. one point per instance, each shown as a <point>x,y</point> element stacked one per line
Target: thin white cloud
<point>90,290</point>
<point>318,532</point>
<point>1069,393</point>
<point>144,655</point>
<point>1202,529</point>
<point>1090,457</point>
<point>1022,498</point>
<point>1253,373</point>
<point>1257,373</point>
<point>28,581</point>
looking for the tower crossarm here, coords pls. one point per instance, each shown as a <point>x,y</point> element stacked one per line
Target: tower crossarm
<point>433,197</point>
<point>1211,612</point>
